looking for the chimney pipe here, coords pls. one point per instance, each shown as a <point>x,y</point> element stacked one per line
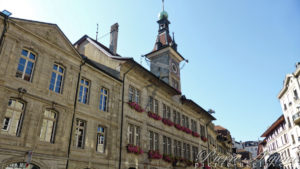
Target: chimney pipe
<point>114,38</point>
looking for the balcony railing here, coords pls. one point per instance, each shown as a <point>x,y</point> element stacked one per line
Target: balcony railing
<point>296,118</point>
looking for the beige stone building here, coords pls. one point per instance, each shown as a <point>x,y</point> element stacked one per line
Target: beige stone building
<point>40,72</point>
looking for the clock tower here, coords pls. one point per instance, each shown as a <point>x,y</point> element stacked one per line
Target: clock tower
<point>165,59</point>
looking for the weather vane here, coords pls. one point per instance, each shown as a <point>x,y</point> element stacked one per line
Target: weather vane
<point>163,4</point>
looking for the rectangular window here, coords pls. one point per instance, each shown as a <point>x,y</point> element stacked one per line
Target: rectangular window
<point>194,125</point>
<point>133,95</point>
<point>101,139</point>
<point>165,146</point>
<point>176,117</point>
<point>103,100</point>
<point>202,130</point>
<point>195,153</point>
<point>26,65</point>
<point>151,107</point>
<point>56,81</point>
<point>175,83</point>
<point>166,112</point>
<point>175,147</point>
<point>12,121</point>
<point>134,135</point>
<point>188,151</point>
<point>183,120</point>
<point>48,126</point>
<point>154,141</point>
<point>184,151</point>
<point>84,91</point>
<point>169,145</point>
<point>80,133</point>
<point>179,150</point>
<point>296,97</point>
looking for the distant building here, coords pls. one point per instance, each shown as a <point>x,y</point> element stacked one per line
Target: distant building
<point>252,147</point>
<point>276,143</point>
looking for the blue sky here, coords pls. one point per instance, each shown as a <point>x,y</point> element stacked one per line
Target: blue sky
<point>238,50</point>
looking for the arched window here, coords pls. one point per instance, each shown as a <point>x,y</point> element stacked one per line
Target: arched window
<point>48,126</point>
<point>21,165</point>
<point>57,78</point>
<point>26,65</point>
<point>13,118</point>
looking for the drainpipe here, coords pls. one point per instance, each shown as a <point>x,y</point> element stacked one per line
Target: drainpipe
<point>73,117</point>
<point>122,115</point>
<point>4,30</point>
<point>207,141</point>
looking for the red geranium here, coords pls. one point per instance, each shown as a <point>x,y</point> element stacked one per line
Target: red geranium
<point>167,122</point>
<point>154,116</point>
<point>203,138</point>
<point>207,166</point>
<point>154,154</point>
<point>187,130</point>
<point>167,158</point>
<point>134,149</point>
<point>195,134</point>
<point>136,106</point>
<point>178,126</point>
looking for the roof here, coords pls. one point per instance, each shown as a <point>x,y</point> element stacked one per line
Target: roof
<point>287,79</point>
<point>164,38</point>
<point>111,72</point>
<point>218,127</point>
<point>279,121</point>
<point>98,43</point>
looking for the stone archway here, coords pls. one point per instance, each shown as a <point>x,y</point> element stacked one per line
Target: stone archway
<point>21,165</point>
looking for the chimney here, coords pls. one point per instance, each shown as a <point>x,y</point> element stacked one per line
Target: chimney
<point>114,38</point>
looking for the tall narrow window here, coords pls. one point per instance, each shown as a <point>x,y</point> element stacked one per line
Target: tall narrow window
<point>154,140</point>
<point>26,65</point>
<point>151,104</point>
<point>188,151</point>
<point>104,100</point>
<point>12,121</point>
<point>179,149</point>
<point>48,126</point>
<point>156,108</point>
<point>195,153</point>
<point>202,130</point>
<point>80,133</point>
<point>296,97</point>
<point>56,81</point>
<point>169,145</point>
<point>84,91</point>
<point>184,150</point>
<point>165,148</point>
<point>194,125</point>
<point>178,118</point>
<point>101,139</point>
<point>166,112</point>
<point>134,133</point>
<point>133,95</point>
<point>175,147</point>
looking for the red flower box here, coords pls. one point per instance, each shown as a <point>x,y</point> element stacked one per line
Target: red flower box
<point>187,130</point>
<point>203,138</point>
<point>167,158</point>
<point>198,164</point>
<point>154,154</point>
<point>134,149</point>
<point>154,116</point>
<point>167,122</point>
<point>195,134</point>
<point>178,126</point>
<point>207,167</point>
<point>136,106</point>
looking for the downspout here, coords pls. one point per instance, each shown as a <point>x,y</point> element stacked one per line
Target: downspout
<point>4,30</point>
<point>207,142</point>
<point>122,115</point>
<point>73,117</point>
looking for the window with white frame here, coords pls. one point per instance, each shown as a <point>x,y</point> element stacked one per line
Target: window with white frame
<point>134,134</point>
<point>101,139</point>
<point>176,117</point>
<point>103,99</point>
<point>195,153</point>
<point>57,77</point>
<point>153,105</point>
<point>154,141</point>
<point>133,95</point>
<point>194,125</point>
<point>80,133</point>
<point>48,126</point>
<point>175,147</point>
<point>12,121</point>
<point>26,65</point>
<point>202,130</point>
<point>166,112</point>
<point>84,91</point>
<point>167,145</point>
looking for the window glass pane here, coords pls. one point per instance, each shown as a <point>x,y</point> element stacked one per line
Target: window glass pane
<point>61,70</point>
<point>24,52</point>
<point>32,56</point>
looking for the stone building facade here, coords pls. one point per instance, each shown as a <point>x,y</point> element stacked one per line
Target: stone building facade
<point>85,106</point>
<point>40,72</point>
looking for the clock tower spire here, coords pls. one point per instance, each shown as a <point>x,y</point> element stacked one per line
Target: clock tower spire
<point>164,57</point>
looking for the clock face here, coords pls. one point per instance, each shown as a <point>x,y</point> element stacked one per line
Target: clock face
<point>174,68</point>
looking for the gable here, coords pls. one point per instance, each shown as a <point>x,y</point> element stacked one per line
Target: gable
<point>49,32</point>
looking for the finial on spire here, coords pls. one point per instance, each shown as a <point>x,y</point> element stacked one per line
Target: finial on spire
<point>163,5</point>
<point>173,37</point>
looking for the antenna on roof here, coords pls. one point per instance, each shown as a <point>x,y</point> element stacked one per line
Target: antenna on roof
<point>97,32</point>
